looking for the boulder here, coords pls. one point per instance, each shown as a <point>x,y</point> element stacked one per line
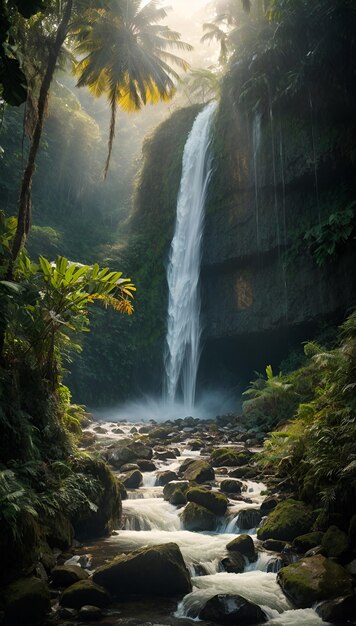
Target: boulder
<point>145,465</point>
<point>244,545</point>
<point>232,609</point>
<point>244,471</point>
<point>314,579</point>
<point>199,472</point>
<point>177,498</point>
<point>89,523</point>
<point>287,521</point>
<point>248,518</point>
<point>197,518</point>
<point>352,532</point>
<point>335,542</point>
<point>274,545</point>
<point>165,477</point>
<point>154,570</point>
<point>90,613</point>
<point>230,485</point>
<point>303,543</point>
<point>26,601</point>
<point>185,465</point>
<point>211,500</point>
<point>132,480</point>
<point>129,467</point>
<point>59,532</point>
<point>83,593</point>
<point>268,505</point>
<point>338,610</point>
<point>170,488</point>
<point>230,457</point>
<point>128,451</point>
<point>66,575</point>
<point>234,563</point>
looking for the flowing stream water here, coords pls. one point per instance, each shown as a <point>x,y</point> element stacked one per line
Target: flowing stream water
<point>183,323</point>
<point>148,520</point>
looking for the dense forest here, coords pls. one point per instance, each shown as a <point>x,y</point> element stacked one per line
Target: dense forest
<point>120,501</point>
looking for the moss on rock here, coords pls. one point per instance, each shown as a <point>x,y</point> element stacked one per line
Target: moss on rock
<point>199,472</point>
<point>288,520</point>
<point>306,542</point>
<point>171,487</point>
<point>229,457</point>
<point>211,500</point>
<point>314,579</point>
<point>155,570</point>
<point>197,518</point>
<point>83,593</point>
<point>244,545</point>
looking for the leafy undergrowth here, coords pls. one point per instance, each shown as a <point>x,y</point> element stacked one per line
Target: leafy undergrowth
<point>314,449</point>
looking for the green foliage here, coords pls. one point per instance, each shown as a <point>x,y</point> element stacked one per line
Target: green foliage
<point>324,239</point>
<point>270,401</point>
<point>317,449</point>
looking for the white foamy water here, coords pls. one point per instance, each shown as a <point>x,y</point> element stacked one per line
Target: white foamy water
<point>205,549</point>
<point>257,587</point>
<point>297,617</point>
<point>150,514</point>
<point>183,271</point>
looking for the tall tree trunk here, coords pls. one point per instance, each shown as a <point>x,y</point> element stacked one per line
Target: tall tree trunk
<point>25,208</point>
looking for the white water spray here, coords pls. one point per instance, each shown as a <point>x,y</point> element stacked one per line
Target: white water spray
<point>183,326</point>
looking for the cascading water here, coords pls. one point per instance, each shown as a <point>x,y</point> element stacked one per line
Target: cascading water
<point>183,325</point>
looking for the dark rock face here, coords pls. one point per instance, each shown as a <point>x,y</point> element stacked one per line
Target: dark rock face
<point>248,518</point>
<point>314,579</point>
<point>156,570</point>
<point>231,610</point>
<point>234,563</point>
<point>258,207</point>
<point>164,477</point>
<point>230,485</point>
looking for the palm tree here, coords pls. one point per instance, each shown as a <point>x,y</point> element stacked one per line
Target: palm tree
<point>127,57</point>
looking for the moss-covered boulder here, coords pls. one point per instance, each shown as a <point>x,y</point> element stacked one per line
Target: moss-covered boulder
<point>26,601</point>
<point>231,610</point>
<point>211,500</point>
<point>178,498</point>
<point>303,543</point>
<point>244,545</point>
<point>268,505</point>
<point>171,487</point>
<point>197,518</point>
<point>85,592</point>
<point>199,472</point>
<point>155,570</point>
<point>132,480</point>
<point>231,485</point>
<point>230,457</point>
<point>127,451</point>
<point>164,477</point>
<point>287,521</point>
<point>274,545</point>
<point>89,523</point>
<point>314,579</point>
<point>66,575</point>
<point>18,556</point>
<point>335,542</point>
<point>184,465</point>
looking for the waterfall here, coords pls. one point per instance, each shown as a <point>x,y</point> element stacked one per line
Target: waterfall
<point>183,324</point>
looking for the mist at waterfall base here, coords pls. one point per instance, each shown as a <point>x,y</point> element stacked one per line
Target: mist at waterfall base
<point>210,404</point>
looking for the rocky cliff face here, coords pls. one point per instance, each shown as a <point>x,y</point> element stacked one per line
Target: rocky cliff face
<point>275,178</point>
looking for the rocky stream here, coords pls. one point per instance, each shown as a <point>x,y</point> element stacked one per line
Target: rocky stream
<point>189,548</point>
